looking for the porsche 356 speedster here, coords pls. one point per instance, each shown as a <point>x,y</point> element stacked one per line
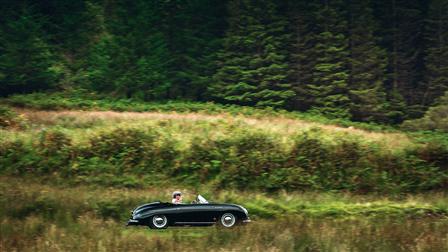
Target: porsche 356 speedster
<point>160,215</point>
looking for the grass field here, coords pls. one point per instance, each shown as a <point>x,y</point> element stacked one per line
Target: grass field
<point>70,177</point>
<point>39,216</point>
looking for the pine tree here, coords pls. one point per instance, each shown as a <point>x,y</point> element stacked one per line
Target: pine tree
<point>436,38</point>
<point>328,87</point>
<point>101,73</point>
<point>367,66</point>
<point>302,59</point>
<point>26,61</point>
<point>193,37</point>
<point>401,34</point>
<point>130,59</point>
<point>253,66</point>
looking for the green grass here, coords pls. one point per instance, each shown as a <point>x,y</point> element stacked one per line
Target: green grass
<point>26,197</point>
<point>40,216</point>
<point>86,233</point>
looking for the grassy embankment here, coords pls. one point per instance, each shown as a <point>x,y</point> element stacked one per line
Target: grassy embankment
<point>69,178</point>
<point>216,149</point>
<point>266,153</point>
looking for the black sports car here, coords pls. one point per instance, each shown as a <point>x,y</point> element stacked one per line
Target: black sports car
<point>159,215</point>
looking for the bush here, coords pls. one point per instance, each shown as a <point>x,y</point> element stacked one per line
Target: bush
<point>436,118</point>
<point>238,161</point>
<point>54,150</point>
<point>17,158</point>
<point>9,119</point>
<point>244,160</point>
<point>134,150</point>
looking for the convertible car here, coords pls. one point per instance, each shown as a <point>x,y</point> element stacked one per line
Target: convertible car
<point>160,215</point>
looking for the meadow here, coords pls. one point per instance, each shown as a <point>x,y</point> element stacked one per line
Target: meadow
<point>69,178</point>
<point>39,216</point>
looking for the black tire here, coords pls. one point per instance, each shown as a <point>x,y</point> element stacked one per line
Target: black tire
<point>228,220</point>
<point>158,222</point>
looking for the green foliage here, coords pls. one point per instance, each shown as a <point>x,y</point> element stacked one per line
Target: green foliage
<point>143,50</point>
<point>436,52</point>
<point>328,86</point>
<point>371,61</point>
<point>8,118</point>
<point>342,66</point>
<point>367,66</point>
<point>252,66</point>
<point>133,151</point>
<point>246,160</point>
<point>27,62</point>
<point>193,36</point>
<point>436,118</point>
<point>16,157</point>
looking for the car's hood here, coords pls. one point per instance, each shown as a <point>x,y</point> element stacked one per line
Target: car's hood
<point>145,207</point>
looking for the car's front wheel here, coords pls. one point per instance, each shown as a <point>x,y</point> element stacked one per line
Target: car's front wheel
<point>228,220</point>
<point>158,222</point>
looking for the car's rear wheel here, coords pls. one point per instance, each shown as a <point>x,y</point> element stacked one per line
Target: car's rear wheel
<point>158,222</point>
<point>228,220</point>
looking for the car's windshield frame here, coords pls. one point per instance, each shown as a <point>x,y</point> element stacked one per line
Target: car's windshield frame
<point>201,199</point>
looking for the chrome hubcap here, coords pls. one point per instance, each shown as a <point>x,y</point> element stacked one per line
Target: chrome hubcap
<point>159,221</point>
<point>228,220</point>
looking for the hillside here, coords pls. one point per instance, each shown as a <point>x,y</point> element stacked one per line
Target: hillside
<point>268,151</point>
<point>70,177</point>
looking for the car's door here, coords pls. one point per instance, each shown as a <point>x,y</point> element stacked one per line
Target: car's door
<point>193,213</point>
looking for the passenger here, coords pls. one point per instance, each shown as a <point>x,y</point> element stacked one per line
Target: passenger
<point>177,197</point>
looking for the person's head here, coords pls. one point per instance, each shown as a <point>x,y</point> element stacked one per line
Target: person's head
<point>177,195</point>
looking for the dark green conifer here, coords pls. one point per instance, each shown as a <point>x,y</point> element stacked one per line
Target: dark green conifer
<point>27,62</point>
<point>328,87</point>
<point>436,37</point>
<point>252,66</point>
<point>367,66</point>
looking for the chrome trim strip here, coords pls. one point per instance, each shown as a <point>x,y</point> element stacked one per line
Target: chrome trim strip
<point>133,221</point>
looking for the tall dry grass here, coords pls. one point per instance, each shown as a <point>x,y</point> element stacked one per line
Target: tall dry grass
<point>87,233</point>
<point>282,126</point>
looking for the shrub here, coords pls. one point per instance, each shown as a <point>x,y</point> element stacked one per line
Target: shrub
<point>17,158</point>
<point>125,147</point>
<point>134,150</point>
<point>54,150</point>
<point>9,119</point>
<point>436,118</point>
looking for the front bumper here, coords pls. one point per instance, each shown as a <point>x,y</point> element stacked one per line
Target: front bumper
<point>132,222</point>
<point>246,221</point>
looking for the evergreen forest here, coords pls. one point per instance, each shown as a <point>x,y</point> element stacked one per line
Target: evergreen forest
<point>382,61</point>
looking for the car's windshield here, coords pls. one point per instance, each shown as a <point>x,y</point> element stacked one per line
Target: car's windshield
<point>202,200</point>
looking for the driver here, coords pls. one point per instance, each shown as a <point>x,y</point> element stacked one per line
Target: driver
<point>177,198</point>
